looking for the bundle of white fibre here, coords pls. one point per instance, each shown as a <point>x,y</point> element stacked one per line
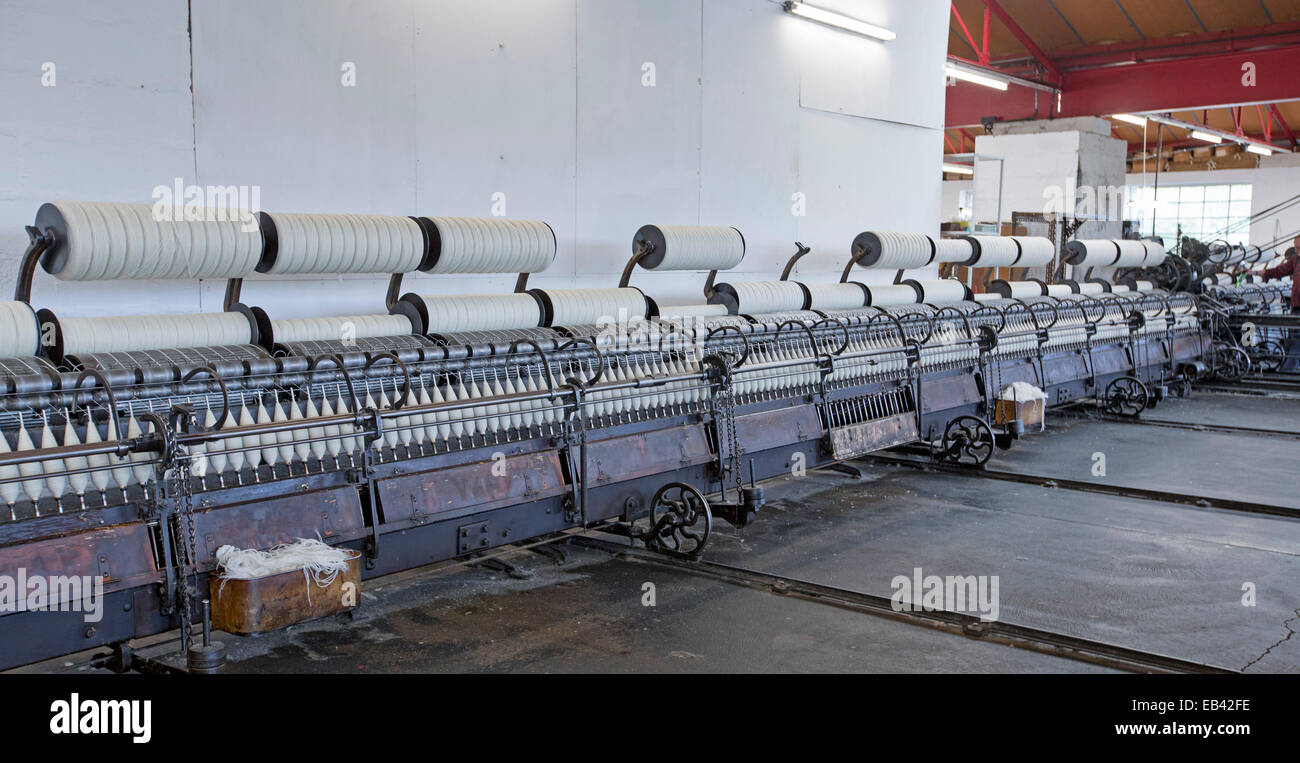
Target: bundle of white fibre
<point>1014,392</point>
<point>320,562</point>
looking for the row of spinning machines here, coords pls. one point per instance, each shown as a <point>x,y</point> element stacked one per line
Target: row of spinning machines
<point>447,425</point>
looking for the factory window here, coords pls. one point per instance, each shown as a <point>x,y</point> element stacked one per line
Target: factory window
<point>1205,212</point>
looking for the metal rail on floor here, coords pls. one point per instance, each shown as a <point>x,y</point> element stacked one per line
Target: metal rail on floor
<point>1121,491</point>
<point>959,623</point>
<point>1080,415</point>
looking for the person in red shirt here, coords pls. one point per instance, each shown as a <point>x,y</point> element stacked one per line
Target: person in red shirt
<point>1289,267</point>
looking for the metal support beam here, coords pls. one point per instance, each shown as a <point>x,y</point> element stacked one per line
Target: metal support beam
<point>1285,127</point>
<point>1024,39</point>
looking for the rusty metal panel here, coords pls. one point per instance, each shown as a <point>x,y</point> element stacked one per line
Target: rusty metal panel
<point>121,554</point>
<point>949,392</point>
<point>1062,369</point>
<point>278,601</point>
<point>641,455</point>
<point>782,426</point>
<point>878,434</point>
<point>333,514</point>
<point>1110,360</point>
<point>476,486</point>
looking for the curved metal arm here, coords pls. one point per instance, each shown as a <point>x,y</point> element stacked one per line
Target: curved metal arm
<point>38,242</point>
<point>843,328</point>
<point>724,329</point>
<point>406,374</point>
<point>108,392</point>
<point>800,252</point>
<point>643,249</point>
<point>347,379</point>
<point>546,363</point>
<point>600,358</point>
<point>225,394</point>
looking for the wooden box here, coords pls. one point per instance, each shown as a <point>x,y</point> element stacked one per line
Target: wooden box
<point>245,607</point>
<point>1028,411</point>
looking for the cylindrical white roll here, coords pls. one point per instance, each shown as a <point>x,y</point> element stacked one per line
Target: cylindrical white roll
<point>690,247</point>
<point>453,313</point>
<point>130,333</point>
<point>19,334</point>
<point>836,296</point>
<point>756,297</point>
<point>897,251</point>
<point>1155,254</point>
<point>1035,251</point>
<point>345,244</point>
<point>1092,253</point>
<point>1091,288</point>
<point>339,328</point>
<point>106,241</point>
<point>891,294</point>
<point>691,311</point>
<point>1017,289</point>
<point>1132,253</point>
<point>940,291</point>
<point>580,307</point>
<point>953,250</point>
<point>994,251</point>
<point>1058,289</point>
<point>491,245</point>
<point>1143,285</point>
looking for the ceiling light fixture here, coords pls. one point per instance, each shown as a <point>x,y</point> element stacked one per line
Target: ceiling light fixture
<point>831,18</point>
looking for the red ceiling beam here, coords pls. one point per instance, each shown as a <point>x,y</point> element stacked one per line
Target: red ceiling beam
<point>1025,39</point>
<point>1150,86</point>
<point>1285,127</point>
<point>1229,41</point>
<point>969,37</point>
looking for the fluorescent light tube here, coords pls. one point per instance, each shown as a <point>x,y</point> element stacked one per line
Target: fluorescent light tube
<point>1131,119</point>
<point>1255,148</point>
<point>958,169</point>
<point>839,20</point>
<point>978,79</point>
<point>1207,137</point>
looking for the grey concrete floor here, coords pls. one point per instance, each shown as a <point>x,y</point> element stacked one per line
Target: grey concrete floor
<point>1144,574</point>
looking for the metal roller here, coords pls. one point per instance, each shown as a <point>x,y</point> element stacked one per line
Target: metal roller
<point>312,243</point>
<point>488,245</point>
<point>20,334</point>
<point>756,297</point>
<point>458,313</point>
<point>836,296</point>
<point>689,247</point>
<point>893,294</point>
<point>337,328</point>
<point>993,251</point>
<point>131,333</point>
<point>898,251</point>
<point>108,241</point>
<point>940,291</point>
<point>1035,251</point>
<point>953,250</point>
<point>582,307</point>
<point>1092,253</point>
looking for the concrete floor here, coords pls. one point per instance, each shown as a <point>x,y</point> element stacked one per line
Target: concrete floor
<point>1144,574</point>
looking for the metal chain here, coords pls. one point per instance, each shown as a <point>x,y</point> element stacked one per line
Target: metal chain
<point>728,409</point>
<point>183,496</point>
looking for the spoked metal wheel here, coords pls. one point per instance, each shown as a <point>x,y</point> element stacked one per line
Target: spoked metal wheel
<point>679,523</point>
<point>1269,356</point>
<point>1127,396</point>
<point>967,440</point>
<point>1230,363</point>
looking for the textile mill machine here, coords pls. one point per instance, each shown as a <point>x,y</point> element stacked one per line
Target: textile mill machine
<point>132,447</point>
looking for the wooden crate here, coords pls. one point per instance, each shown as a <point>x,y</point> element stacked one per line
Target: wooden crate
<point>265,604</point>
<point>1028,411</point>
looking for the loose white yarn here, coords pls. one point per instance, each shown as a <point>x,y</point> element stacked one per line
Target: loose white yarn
<point>320,562</point>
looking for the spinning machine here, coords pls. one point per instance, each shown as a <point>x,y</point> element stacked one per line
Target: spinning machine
<point>133,447</point>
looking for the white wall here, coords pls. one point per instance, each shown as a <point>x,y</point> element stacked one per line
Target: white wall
<point>950,199</point>
<point>1273,182</point>
<point>541,100</point>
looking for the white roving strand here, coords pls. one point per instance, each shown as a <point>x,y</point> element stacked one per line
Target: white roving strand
<point>452,313</point>
<point>340,327</point>
<point>492,245</point>
<point>320,562</point>
<point>129,333</point>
